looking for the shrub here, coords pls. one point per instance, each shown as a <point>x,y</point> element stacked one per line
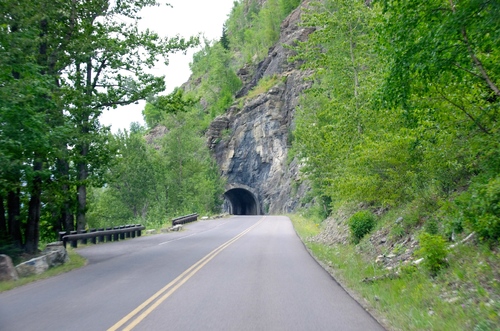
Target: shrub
<point>481,207</point>
<point>360,224</point>
<point>434,251</point>
<point>432,227</point>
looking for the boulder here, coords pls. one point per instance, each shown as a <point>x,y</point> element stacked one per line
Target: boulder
<point>7,270</point>
<point>56,254</point>
<point>34,266</point>
<point>177,227</point>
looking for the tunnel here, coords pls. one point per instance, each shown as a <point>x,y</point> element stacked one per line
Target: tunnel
<point>242,202</point>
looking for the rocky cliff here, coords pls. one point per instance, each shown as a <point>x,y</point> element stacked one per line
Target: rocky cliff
<point>251,141</point>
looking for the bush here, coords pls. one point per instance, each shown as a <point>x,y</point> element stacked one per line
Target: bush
<point>481,209</point>
<point>431,227</point>
<point>434,251</point>
<point>360,224</point>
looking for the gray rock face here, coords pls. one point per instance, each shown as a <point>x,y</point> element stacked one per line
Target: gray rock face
<point>7,270</point>
<point>251,141</point>
<point>34,266</point>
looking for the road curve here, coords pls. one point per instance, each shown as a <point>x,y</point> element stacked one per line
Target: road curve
<point>241,273</point>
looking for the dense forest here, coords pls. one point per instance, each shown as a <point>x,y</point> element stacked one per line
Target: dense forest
<point>403,110</point>
<point>62,64</point>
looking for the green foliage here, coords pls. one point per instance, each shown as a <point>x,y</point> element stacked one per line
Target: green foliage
<point>218,80</point>
<point>431,227</point>
<point>360,224</point>
<point>224,39</point>
<point>481,209</point>
<point>264,85</point>
<point>150,184</point>
<point>253,30</point>
<point>62,65</point>
<point>158,107</point>
<point>337,131</point>
<point>434,252</point>
<point>391,120</point>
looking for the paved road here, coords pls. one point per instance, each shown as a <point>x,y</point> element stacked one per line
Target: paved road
<point>241,273</point>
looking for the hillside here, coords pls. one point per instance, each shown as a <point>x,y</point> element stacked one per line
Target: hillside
<point>363,115</point>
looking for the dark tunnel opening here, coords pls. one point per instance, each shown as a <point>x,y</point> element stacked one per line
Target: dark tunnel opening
<point>242,202</point>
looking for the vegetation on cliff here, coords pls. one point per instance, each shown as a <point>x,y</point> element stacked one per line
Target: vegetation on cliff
<point>402,122</point>
<point>405,106</point>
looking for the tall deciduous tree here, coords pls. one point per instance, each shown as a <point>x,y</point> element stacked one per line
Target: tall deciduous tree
<point>336,116</point>
<point>62,63</point>
<point>108,68</point>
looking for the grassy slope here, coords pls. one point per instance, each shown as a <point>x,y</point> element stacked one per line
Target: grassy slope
<point>464,296</point>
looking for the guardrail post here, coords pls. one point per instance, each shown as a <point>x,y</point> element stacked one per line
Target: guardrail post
<point>101,236</point>
<point>122,234</point>
<point>93,239</point>
<point>132,233</point>
<point>62,234</point>
<point>116,236</point>
<point>74,243</point>
<point>84,241</point>
<point>109,237</point>
<point>127,234</point>
<point>139,230</point>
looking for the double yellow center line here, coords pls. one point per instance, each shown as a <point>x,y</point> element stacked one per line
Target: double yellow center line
<point>143,310</point>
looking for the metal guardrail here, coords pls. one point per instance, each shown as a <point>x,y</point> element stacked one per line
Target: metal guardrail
<point>185,219</point>
<point>102,235</point>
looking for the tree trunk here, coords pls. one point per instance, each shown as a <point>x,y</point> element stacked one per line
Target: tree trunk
<point>13,212</point>
<point>66,220</point>
<point>3,220</point>
<point>82,190</point>
<point>33,226</point>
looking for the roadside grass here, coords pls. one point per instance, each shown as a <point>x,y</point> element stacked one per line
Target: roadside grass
<point>463,296</point>
<point>75,262</point>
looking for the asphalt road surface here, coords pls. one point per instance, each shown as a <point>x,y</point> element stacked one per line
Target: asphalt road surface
<point>239,273</point>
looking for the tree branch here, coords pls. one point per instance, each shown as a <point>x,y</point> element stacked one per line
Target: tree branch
<point>462,108</point>
<point>479,64</point>
<point>98,73</point>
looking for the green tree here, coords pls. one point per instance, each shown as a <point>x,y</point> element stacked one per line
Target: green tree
<point>219,82</point>
<point>110,57</point>
<point>158,107</point>
<point>190,176</point>
<point>26,107</point>
<point>62,63</point>
<point>336,116</point>
<point>445,71</point>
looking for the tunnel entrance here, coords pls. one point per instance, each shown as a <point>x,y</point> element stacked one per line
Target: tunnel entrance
<point>242,202</point>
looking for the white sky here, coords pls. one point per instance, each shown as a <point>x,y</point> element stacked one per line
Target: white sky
<point>186,18</point>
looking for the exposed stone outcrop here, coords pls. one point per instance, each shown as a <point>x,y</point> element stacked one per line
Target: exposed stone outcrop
<point>251,141</point>
<point>7,270</point>
<point>155,134</point>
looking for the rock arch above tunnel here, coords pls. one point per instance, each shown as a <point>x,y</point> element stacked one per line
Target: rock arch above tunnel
<point>242,202</point>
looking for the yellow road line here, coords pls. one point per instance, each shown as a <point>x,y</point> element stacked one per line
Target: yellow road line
<point>181,279</point>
